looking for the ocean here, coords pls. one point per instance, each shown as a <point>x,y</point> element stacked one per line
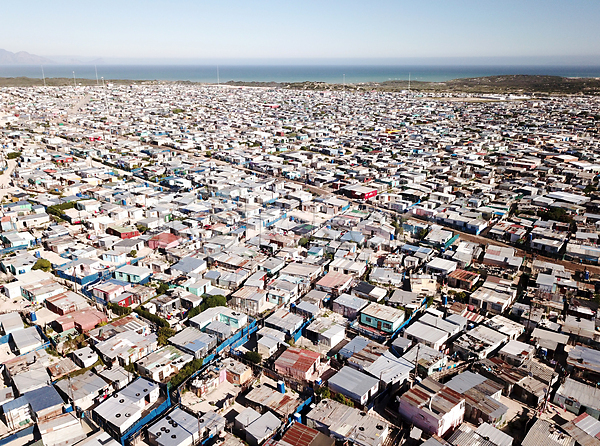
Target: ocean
<point>290,73</point>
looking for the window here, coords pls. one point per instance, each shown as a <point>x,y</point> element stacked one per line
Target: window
<point>368,319</point>
<point>387,326</point>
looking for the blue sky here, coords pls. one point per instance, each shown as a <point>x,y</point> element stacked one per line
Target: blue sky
<point>233,30</point>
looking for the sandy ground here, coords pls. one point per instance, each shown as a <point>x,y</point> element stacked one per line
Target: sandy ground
<point>5,178</point>
<point>9,305</point>
<point>309,345</point>
<point>552,413</point>
<point>5,353</point>
<point>514,407</point>
<point>54,258</point>
<point>202,405</point>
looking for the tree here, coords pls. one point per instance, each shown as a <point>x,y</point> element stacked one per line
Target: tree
<point>188,370</point>
<point>209,302</point>
<point>57,209</point>
<point>164,333</point>
<point>131,368</point>
<point>43,264</point>
<point>342,399</point>
<point>429,300</point>
<point>13,155</point>
<point>133,253</point>
<point>118,310</point>
<point>323,392</point>
<point>157,320</point>
<point>253,357</point>
<point>303,242</point>
<point>162,289</point>
<point>422,234</point>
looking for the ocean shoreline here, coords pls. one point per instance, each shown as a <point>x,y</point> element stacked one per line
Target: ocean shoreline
<point>503,84</point>
<point>331,74</point>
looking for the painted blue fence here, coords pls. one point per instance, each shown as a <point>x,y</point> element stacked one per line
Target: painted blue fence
<point>92,278</point>
<point>12,249</point>
<point>241,337</point>
<point>298,333</point>
<point>245,333</point>
<point>301,407</point>
<point>407,321</point>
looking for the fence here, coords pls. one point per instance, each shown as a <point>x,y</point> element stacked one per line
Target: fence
<point>307,402</point>
<point>234,341</point>
<point>12,249</point>
<point>298,333</point>
<point>407,321</point>
<point>244,335</point>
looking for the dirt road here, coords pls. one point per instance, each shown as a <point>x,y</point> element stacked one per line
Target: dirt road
<point>593,269</point>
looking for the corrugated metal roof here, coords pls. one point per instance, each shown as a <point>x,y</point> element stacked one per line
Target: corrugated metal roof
<point>547,433</point>
<point>496,436</point>
<point>297,359</point>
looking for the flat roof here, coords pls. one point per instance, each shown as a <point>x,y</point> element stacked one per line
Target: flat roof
<point>353,381</point>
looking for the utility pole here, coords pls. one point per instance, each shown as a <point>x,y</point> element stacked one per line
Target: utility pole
<point>71,392</point>
<point>74,83</point>
<point>412,383</point>
<point>43,76</point>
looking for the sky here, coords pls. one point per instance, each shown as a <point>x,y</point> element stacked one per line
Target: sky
<point>327,30</point>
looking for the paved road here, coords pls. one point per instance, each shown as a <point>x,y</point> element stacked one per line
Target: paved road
<point>75,107</point>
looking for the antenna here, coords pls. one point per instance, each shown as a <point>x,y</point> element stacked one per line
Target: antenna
<point>74,83</point>
<point>218,80</point>
<point>408,81</point>
<point>96,69</point>
<point>43,76</point>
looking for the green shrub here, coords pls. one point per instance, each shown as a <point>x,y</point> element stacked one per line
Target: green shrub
<point>188,370</point>
<point>118,310</point>
<point>253,357</point>
<point>209,302</point>
<point>43,264</point>
<point>58,209</point>
<point>157,320</point>
<point>164,333</point>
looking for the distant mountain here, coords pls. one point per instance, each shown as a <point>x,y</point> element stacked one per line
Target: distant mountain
<point>21,58</point>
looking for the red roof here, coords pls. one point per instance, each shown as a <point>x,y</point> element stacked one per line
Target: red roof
<point>165,237</point>
<point>298,359</point>
<point>300,435</point>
